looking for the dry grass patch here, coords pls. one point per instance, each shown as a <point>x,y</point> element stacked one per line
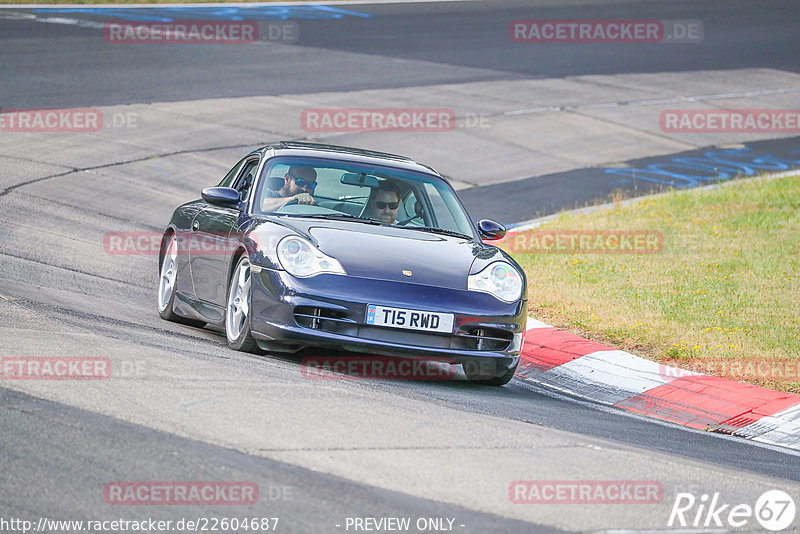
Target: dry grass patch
<point>722,295</point>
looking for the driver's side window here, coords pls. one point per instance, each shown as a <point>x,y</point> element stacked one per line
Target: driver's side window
<point>246,178</point>
<point>228,180</point>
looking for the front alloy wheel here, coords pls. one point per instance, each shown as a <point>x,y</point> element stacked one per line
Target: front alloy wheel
<point>237,313</point>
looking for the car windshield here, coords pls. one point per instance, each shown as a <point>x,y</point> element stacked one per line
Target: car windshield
<point>329,188</point>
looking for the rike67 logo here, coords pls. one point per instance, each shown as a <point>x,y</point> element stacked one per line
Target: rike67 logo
<point>774,510</point>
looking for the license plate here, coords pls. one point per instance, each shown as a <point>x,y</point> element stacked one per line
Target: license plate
<point>409,319</point>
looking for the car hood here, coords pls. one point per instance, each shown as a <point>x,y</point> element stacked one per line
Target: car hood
<point>384,252</point>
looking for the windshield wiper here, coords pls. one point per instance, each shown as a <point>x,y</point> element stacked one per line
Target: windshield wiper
<point>435,230</point>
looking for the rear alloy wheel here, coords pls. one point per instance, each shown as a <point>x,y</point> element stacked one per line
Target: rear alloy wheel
<point>237,313</point>
<point>168,281</point>
<point>487,373</point>
<point>168,284</point>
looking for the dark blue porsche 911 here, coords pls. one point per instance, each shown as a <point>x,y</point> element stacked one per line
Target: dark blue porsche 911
<point>305,245</point>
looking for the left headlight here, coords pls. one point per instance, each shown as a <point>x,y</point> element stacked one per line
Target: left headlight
<point>499,279</point>
<point>302,259</point>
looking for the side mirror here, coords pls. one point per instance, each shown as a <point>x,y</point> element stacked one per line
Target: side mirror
<point>490,230</point>
<point>227,197</point>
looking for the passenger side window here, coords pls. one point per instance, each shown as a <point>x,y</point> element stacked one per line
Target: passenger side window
<point>442,213</point>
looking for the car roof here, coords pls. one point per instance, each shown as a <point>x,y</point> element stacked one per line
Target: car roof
<point>297,148</point>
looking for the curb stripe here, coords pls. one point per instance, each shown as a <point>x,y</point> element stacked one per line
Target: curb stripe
<point>550,347</point>
<point>701,401</point>
<point>535,323</point>
<point>593,371</point>
<point>613,376</point>
<point>784,428</point>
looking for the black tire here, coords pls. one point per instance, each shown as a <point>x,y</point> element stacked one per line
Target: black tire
<point>237,309</point>
<point>485,372</point>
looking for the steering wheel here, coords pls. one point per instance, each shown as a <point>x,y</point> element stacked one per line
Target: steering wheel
<point>406,221</point>
<point>296,201</point>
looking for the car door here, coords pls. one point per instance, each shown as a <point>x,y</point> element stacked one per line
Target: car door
<point>211,228</point>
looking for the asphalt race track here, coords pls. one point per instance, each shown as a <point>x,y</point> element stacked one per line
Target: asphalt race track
<point>466,41</point>
<point>539,126</point>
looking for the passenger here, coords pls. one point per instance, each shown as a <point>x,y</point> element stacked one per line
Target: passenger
<point>383,203</point>
<point>299,182</point>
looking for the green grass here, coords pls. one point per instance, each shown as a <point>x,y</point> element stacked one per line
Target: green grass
<point>722,292</point>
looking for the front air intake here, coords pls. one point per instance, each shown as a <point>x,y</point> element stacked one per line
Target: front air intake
<point>323,319</point>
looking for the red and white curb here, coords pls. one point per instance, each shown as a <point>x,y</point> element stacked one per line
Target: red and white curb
<point>590,370</point>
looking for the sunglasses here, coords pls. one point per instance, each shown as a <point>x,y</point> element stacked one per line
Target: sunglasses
<point>302,182</point>
<point>383,205</point>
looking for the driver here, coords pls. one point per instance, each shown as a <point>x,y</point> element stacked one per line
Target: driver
<point>383,203</point>
<point>298,184</point>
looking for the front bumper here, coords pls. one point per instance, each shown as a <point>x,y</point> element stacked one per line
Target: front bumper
<point>329,311</point>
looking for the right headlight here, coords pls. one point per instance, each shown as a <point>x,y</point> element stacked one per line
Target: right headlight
<point>500,279</point>
<point>302,259</point>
